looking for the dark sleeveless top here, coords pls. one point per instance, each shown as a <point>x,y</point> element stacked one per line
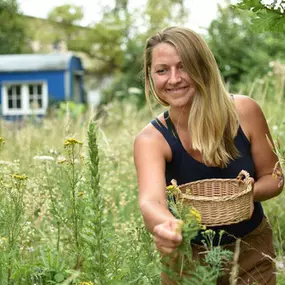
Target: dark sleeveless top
<point>184,168</point>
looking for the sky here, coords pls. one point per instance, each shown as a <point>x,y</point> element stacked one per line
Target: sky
<point>202,12</point>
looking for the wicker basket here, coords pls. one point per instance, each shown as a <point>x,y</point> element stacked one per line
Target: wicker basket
<point>220,201</point>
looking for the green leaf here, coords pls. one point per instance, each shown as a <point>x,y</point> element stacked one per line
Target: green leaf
<point>252,5</point>
<point>59,277</point>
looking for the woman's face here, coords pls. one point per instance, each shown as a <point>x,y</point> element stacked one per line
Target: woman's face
<point>171,82</point>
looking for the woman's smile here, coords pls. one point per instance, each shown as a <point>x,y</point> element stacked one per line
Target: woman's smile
<point>177,89</point>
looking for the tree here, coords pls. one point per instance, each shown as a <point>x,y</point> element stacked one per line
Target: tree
<point>241,53</point>
<point>128,83</point>
<point>13,36</point>
<point>265,17</point>
<point>115,44</point>
<point>68,16</point>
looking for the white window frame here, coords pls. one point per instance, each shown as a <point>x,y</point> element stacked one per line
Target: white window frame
<point>25,109</point>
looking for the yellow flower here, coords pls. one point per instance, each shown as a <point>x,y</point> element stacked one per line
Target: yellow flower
<point>179,226</point>
<point>19,177</point>
<point>71,141</point>
<point>80,194</point>
<point>194,212</point>
<point>61,161</point>
<point>173,188</point>
<point>86,283</point>
<point>170,188</point>
<point>2,141</point>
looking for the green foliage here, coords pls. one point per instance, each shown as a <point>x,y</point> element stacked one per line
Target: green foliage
<point>163,13</point>
<point>94,234</point>
<point>93,186</point>
<point>66,14</point>
<point>212,261</point>
<point>242,54</point>
<point>13,37</point>
<point>265,17</point>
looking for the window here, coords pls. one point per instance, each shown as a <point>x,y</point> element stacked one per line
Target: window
<point>14,97</point>
<point>24,98</point>
<point>35,96</point>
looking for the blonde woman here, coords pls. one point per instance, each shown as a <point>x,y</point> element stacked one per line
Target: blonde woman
<point>205,133</point>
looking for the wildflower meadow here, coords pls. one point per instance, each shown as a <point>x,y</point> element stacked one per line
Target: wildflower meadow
<point>69,201</point>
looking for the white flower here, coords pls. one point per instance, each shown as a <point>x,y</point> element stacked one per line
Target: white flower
<point>30,249</point>
<point>280,264</point>
<point>6,162</point>
<point>134,90</point>
<point>44,157</point>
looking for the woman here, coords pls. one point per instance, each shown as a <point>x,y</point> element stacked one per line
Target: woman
<point>206,133</point>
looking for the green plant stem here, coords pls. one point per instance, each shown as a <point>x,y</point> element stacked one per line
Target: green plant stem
<point>74,210</point>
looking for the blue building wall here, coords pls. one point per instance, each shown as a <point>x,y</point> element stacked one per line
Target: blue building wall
<point>75,65</point>
<point>55,81</point>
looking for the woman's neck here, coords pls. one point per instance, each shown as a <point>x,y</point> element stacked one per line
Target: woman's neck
<point>179,117</point>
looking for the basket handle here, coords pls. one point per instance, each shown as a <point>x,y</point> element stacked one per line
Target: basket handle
<point>244,177</point>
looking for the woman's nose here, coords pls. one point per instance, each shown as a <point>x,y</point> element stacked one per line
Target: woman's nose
<point>175,76</point>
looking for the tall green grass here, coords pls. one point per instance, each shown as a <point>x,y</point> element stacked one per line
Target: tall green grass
<point>69,211</point>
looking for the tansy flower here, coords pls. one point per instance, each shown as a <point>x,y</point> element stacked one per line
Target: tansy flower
<point>19,177</point>
<point>173,188</point>
<point>71,141</point>
<point>61,161</point>
<point>194,212</point>
<point>179,226</point>
<point>86,283</point>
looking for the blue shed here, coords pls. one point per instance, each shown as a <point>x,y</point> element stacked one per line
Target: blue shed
<point>29,82</point>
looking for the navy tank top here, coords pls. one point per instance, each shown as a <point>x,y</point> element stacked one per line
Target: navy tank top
<point>184,168</point>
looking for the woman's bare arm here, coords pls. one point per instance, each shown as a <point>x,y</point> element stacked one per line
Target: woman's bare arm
<point>255,126</point>
<point>150,152</point>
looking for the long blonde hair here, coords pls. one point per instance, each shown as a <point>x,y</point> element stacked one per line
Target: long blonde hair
<point>213,119</point>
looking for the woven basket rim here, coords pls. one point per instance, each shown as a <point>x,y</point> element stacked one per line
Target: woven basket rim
<point>217,198</point>
<point>226,180</point>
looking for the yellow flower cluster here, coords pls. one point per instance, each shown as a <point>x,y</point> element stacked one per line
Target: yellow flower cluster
<point>194,212</point>
<point>71,141</point>
<point>19,177</point>
<point>172,189</point>
<point>179,226</point>
<point>86,283</point>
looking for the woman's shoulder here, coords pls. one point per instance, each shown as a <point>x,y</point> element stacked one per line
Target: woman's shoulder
<point>246,106</point>
<point>250,114</point>
<point>150,134</point>
<point>151,138</point>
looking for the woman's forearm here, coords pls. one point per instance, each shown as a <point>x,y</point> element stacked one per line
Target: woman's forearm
<point>267,187</point>
<point>154,213</point>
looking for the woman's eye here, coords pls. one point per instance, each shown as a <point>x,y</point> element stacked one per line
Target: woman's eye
<point>161,71</point>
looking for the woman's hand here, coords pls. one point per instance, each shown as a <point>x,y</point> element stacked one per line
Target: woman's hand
<point>168,236</point>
